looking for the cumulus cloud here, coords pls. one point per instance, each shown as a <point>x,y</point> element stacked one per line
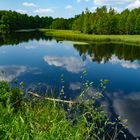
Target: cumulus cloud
<point>111,2</point>
<point>126,64</point>
<point>69,7</point>
<point>128,107</point>
<point>21,11</point>
<point>83,0</point>
<point>103,2</point>
<point>45,10</point>
<point>9,73</point>
<point>71,64</point>
<point>134,4</point>
<point>27,4</point>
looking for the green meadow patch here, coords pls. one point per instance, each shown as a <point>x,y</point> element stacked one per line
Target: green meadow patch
<point>78,36</point>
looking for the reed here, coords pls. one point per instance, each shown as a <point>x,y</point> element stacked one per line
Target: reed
<point>78,36</point>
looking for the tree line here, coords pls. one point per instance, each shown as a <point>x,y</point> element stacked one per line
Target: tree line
<point>102,21</point>
<point>99,52</point>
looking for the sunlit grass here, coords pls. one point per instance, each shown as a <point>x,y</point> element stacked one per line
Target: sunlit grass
<point>76,35</point>
<point>41,119</point>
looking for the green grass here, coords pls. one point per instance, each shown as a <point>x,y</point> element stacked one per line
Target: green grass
<point>43,121</point>
<point>40,119</point>
<point>76,35</point>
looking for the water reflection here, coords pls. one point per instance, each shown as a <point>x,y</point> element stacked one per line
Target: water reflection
<point>16,38</point>
<point>124,63</point>
<point>103,52</point>
<point>9,73</point>
<point>75,86</point>
<point>40,61</point>
<point>128,107</point>
<point>71,64</point>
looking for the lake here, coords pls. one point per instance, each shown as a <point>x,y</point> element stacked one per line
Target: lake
<point>43,63</point>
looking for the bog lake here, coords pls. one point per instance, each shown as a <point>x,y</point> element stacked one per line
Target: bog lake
<point>42,62</point>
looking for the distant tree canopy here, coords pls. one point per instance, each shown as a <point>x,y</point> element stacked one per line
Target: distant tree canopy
<point>102,21</point>
<point>11,21</point>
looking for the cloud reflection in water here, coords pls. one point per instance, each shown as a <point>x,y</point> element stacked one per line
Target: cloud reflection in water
<point>125,64</point>
<point>9,73</point>
<point>128,107</point>
<point>71,64</point>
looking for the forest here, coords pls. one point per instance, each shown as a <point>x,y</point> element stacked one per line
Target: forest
<point>102,21</point>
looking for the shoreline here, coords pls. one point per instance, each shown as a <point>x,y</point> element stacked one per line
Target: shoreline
<point>78,36</point>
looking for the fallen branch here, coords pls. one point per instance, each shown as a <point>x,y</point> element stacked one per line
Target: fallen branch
<point>51,99</point>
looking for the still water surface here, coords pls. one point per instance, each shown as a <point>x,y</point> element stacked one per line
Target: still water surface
<point>41,61</point>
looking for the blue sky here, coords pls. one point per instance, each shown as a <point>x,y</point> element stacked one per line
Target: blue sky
<point>63,8</point>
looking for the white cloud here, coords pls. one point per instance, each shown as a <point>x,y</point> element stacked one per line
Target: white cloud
<point>71,64</point>
<point>126,64</point>
<point>129,65</point>
<point>134,4</point>
<point>108,2</point>
<point>128,106</point>
<point>27,4</point>
<point>100,2</point>
<point>21,11</point>
<point>9,73</point>
<point>69,7</point>
<point>83,0</point>
<point>46,10</point>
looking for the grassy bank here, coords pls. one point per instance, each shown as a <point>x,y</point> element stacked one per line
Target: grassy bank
<point>76,35</point>
<point>40,119</point>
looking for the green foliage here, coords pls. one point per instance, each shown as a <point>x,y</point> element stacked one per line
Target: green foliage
<point>104,51</point>
<point>11,21</point>
<point>137,25</point>
<point>102,21</point>
<point>46,120</point>
<point>78,23</point>
<point>59,23</point>
<point>10,96</point>
<point>86,24</point>
<point>108,22</point>
<point>130,23</point>
<point>122,18</point>
<point>5,93</point>
<point>77,36</point>
<point>4,28</point>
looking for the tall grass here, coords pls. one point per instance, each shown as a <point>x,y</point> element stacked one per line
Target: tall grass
<point>76,35</point>
<point>39,119</point>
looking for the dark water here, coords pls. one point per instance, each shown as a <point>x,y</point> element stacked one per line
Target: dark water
<point>41,61</point>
